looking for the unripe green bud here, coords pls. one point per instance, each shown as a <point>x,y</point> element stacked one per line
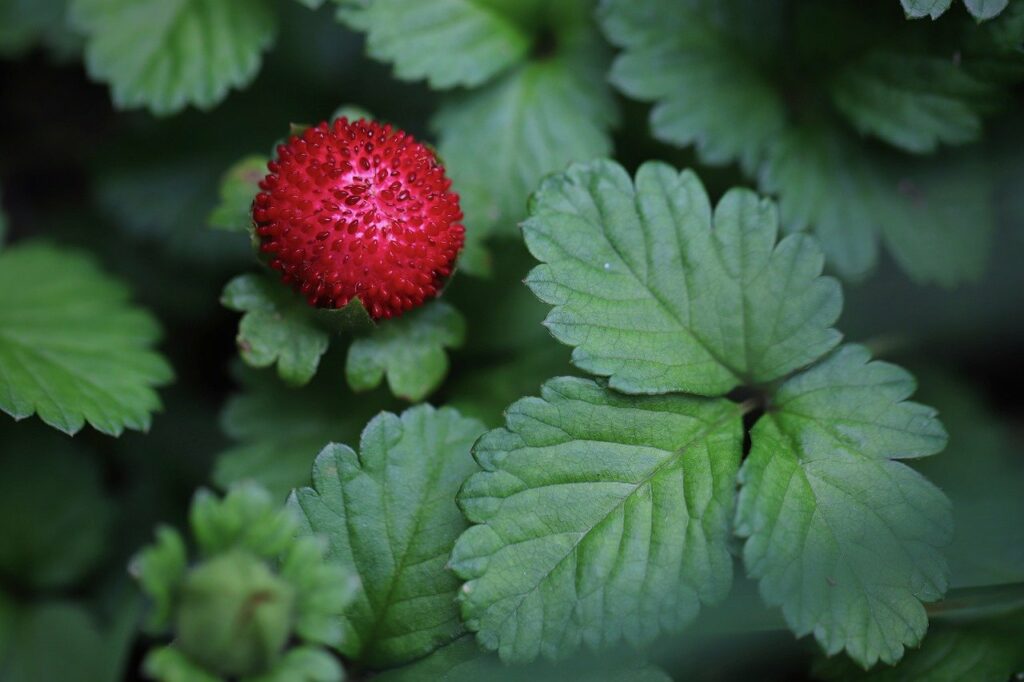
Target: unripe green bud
<point>235,615</point>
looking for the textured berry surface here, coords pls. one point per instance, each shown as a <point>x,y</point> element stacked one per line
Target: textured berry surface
<point>359,209</point>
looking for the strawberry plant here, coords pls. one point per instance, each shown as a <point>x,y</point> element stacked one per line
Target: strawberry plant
<point>411,340</point>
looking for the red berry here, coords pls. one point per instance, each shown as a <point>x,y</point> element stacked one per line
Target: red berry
<point>358,209</point>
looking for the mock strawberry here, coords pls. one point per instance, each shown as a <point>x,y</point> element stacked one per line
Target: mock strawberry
<point>359,209</point>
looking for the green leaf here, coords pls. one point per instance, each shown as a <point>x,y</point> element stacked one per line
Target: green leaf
<point>979,9</point>
<point>24,23</point>
<point>447,42</point>
<point>159,568</point>
<point>410,350</point>
<point>463,661</point>
<point>936,215</point>
<point>652,296</point>
<point>168,54</point>
<point>388,513</point>
<point>913,101</point>
<point>708,83</point>
<point>46,544</point>
<point>533,121</point>
<point>238,188</point>
<point>305,664</point>
<point>278,327</point>
<point>72,349</point>
<point>982,652</point>
<point>279,429</point>
<point>841,534</point>
<point>600,517</point>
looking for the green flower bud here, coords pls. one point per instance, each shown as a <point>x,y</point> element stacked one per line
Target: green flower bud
<point>235,615</point>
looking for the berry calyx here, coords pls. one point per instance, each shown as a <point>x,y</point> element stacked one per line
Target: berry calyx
<point>359,209</point>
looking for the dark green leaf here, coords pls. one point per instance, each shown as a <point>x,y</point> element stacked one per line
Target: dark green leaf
<point>389,514</point>
<point>600,517</point>
<point>654,297</point>
<point>841,534</point>
<point>237,189</point>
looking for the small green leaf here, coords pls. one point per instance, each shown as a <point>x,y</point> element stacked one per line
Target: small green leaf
<point>168,54</point>
<point>979,9</point>
<point>980,652</point>
<point>237,190</point>
<point>278,327</point>
<point>279,429</point>
<point>532,121</point>
<point>159,568</point>
<point>840,533</point>
<point>654,297</point>
<point>708,83</point>
<point>388,513</point>
<point>913,101</point>
<point>72,349</point>
<point>447,42</point>
<point>600,517</point>
<point>409,349</point>
<point>49,545</point>
<point>352,319</point>
<point>463,661</point>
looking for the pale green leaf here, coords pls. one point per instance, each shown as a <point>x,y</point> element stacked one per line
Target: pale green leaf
<point>160,568</point>
<point>72,349</point>
<point>936,216</point>
<point>278,327</point>
<point>654,297</point>
<point>708,83</point>
<point>168,54</point>
<point>463,661</point>
<point>913,101</point>
<point>389,514</point>
<point>498,142</point>
<point>840,533</point>
<point>600,517</point>
<point>410,350</point>
<point>979,9</point>
<point>979,652</point>
<point>304,664</point>
<point>238,188</point>
<point>447,42</point>
<point>279,430</point>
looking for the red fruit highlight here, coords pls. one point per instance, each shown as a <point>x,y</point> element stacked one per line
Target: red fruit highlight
<point>359,209</point>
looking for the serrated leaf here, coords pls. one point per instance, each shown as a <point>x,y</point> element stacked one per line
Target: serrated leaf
<point>278,327</point>
<point>936,216</point>
<point>600,517</point>
<point>709,86</point>
<point>913,101</point>
<point>982,652</point>
<point>167,54</point>
<point>979,9</point>
<point>279,430</point>
<point>463,661</point>
<point>447,42</point>
<point>840,533</point>
<point>48,545</point>
<point>410,350</point>
<point>533,121</point>
<point>72,349</point>
<point>388,513</point>
<point>655,298</point>
<point>238,188</point>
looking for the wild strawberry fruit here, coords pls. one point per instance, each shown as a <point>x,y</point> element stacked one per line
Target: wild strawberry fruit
<point>359,209</point>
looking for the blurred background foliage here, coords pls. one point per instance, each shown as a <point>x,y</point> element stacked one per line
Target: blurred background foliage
<point>137,190</point>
